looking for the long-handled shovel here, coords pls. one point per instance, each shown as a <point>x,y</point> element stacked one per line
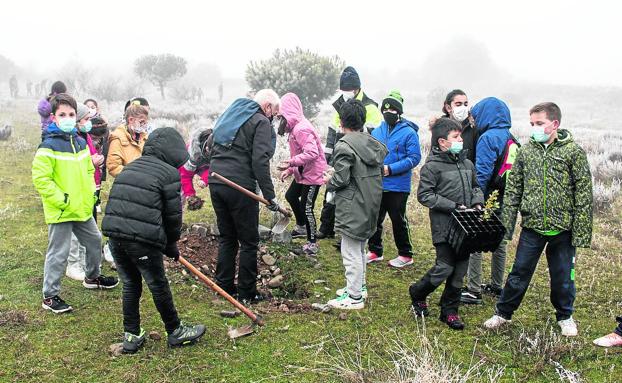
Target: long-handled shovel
<point>283,221</point>
<point>234,332</point>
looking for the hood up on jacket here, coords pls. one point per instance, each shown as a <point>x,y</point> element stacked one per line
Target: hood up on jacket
<point>291,109</point>
<point>491,113</point>
<point>167,145</point>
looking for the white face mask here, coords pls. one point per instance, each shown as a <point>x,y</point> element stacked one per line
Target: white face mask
<point>138,129</point>
<point>347,95</point>
<point>460,113</point>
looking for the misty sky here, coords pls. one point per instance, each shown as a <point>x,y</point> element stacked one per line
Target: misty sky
<point>569,42</point>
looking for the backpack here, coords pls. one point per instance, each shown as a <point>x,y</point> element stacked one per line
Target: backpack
<point>503,165</point>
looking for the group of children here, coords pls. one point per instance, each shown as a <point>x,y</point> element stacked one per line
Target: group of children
<point>367,172</point>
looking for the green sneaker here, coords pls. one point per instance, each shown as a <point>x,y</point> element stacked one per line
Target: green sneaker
<point>131,342</point>
<point>344,290</point>
<point>346,302</point>
<point>185,335</point>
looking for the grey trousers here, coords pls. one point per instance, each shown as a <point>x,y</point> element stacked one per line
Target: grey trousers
<point>77,252</point>
<point>355,263</point>
<point>497,269</point>
<point>59,243</point>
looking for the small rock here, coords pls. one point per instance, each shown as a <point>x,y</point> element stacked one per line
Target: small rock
<point>213,230</point>
<point>166,263</point>
<point>321,307</point>
<point>318,295</point>
<point>319,281</point>
<point>284,237</point>
<point>154,335</point>
<point>265,273</point>
<point>326,288</point>
<point>273,267</point>
<point>204,269</point>
<point>229,313</point>
<point>283,307</point>
<point>276,272</point>
<point>263,250</point>
<point>292,254</point>
<point>343,316</point>
<point>194,286</point>
<point>116,349</point>
<point>276,282</point>
<point>268,259</point>
<point>184,272</point>
<point>317,266</point>
<point>200,230</point>
<point>264,232</point>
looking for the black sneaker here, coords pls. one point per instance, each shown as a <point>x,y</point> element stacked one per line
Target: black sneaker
<point>321,235</point>
<point>453,321</point>
<point>185,335</point>
<point>299,232</point>
<point>491,290</point>
<point>101,282</point>
<point>132,343</point>
<point>257,298</point>
<point>56,305</point>
<point>420,309</point>
<point>469,297</point>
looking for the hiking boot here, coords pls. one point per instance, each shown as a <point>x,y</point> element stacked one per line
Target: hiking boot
<point>101,282</point>
<point>453,321</point>
<point>257,298</point>
<point>420,309</point>
<point>401,261</point>
<point>568,326</point>
<point>56,305</point>
<point>299,232</point>
<point>185,335</point>
<point>346,302</point>
<point>322,235</point>
<point>469,297</point>
<point>492,290</point>
<point>310,249</point>
<point>131,342</point>
<point>495,322</point>
<point>374,257</point>
<point>75,271</point>
<point>344,290</point>
<point>611,340</point>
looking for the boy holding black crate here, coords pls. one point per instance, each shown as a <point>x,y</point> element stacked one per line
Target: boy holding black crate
<point>447,182</point>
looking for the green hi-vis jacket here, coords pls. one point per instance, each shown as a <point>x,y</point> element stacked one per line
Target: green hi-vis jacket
<point>373,117</point>
<point>62,173</point>
<point>552,188</point>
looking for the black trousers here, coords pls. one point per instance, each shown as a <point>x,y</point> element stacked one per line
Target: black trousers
<point>393,203</point>
<point>237,216</point>
<point>449,268</point>
<point>327,218</point>
<point>302,200</point>
<point>136,261</point>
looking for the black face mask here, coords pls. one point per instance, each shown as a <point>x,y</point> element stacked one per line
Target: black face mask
<point>391,118</point>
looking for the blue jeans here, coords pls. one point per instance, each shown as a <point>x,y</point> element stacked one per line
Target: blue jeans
<point>560,256</point>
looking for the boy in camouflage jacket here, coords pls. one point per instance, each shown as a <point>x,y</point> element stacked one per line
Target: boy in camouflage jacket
<point>551,186</point>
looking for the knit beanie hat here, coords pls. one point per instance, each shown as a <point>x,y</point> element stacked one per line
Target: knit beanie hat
<point>83,111</point>
<point>393,101</point>
<point>349,79</point>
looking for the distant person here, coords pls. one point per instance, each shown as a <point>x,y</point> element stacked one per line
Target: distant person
<point>45,108</point>
<point>306,164</point>
<point>29,88</point>
<point>197,164</point>
<point>143,221</point>
<point>350,87</point>
<point>401,138</point>
<point>357,186</point>
<point>13,87</point>
<point>62,173</point>
<point>447,182</point>
<point>125,143</point>
<point>551,186</point>
<point>94,107</point>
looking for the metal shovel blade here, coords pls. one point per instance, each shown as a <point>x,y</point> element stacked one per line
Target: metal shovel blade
<point>239,332</point>
<point>281,224</point>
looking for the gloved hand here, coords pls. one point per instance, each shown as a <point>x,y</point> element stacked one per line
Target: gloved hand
<point>172,251</point>
<point>195,203</point>
<point>274,205</point>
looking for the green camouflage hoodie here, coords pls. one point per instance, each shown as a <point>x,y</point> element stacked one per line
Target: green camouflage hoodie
<point>552,188</point>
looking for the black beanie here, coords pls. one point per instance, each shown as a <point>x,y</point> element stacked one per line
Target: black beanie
<point>393,101</point>
<point>349,79</point>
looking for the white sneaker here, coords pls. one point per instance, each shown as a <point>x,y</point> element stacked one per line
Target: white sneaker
<point>345,302</point>
<point>107,254</point>
<point>495,322</point>
<point>610,340</point>
<point>400,261</point>
<point>344,290</point>
<point>373,257</point>
<point>75,271</point>
<point>569,327</point>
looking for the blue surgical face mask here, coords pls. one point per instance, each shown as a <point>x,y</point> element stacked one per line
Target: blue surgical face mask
<point>456,147</point>
<point>67,125</point>
<point>86,127</point>
<point>538,134</point>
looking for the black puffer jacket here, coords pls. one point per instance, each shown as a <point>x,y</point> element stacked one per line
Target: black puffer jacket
<point>145,203</point>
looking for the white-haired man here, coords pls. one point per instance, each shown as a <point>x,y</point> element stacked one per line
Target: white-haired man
<point>243,144</point>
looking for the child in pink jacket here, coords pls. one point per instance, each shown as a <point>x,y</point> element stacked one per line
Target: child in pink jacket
<point>307,164</point>
<point>196,165</point>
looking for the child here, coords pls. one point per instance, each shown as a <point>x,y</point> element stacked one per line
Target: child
<point>357,185</point>
<point>551,185</point>
<point>198,164</point>
<point>143,221</point>
<point>306,163</point>
<point>447,182</point>
<point>127,140</point>
<point>45,108</point>
<point>611,340</point>
<point>62,173</point>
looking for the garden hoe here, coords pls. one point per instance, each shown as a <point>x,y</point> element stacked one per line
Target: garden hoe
<point>233,332</point>
<point>283,221</point>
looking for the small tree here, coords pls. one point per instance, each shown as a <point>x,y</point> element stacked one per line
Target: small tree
<point>312,77</point>
<point>160,69</point>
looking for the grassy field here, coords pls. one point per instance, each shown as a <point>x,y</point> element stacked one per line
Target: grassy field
<point>383,342</point>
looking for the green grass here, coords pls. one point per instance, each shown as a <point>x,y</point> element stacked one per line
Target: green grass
<point>292,347</point>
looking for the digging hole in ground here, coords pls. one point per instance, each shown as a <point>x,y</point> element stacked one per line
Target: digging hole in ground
<point>284,292</point>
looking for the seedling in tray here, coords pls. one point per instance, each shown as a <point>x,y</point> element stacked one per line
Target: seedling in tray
<point>473,231</point>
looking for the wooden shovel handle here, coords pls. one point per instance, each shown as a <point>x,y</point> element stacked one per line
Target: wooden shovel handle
<point>247,192</point>
<point>255,318</point>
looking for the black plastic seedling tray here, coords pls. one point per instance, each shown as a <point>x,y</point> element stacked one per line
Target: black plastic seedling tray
<point>470,232</point>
